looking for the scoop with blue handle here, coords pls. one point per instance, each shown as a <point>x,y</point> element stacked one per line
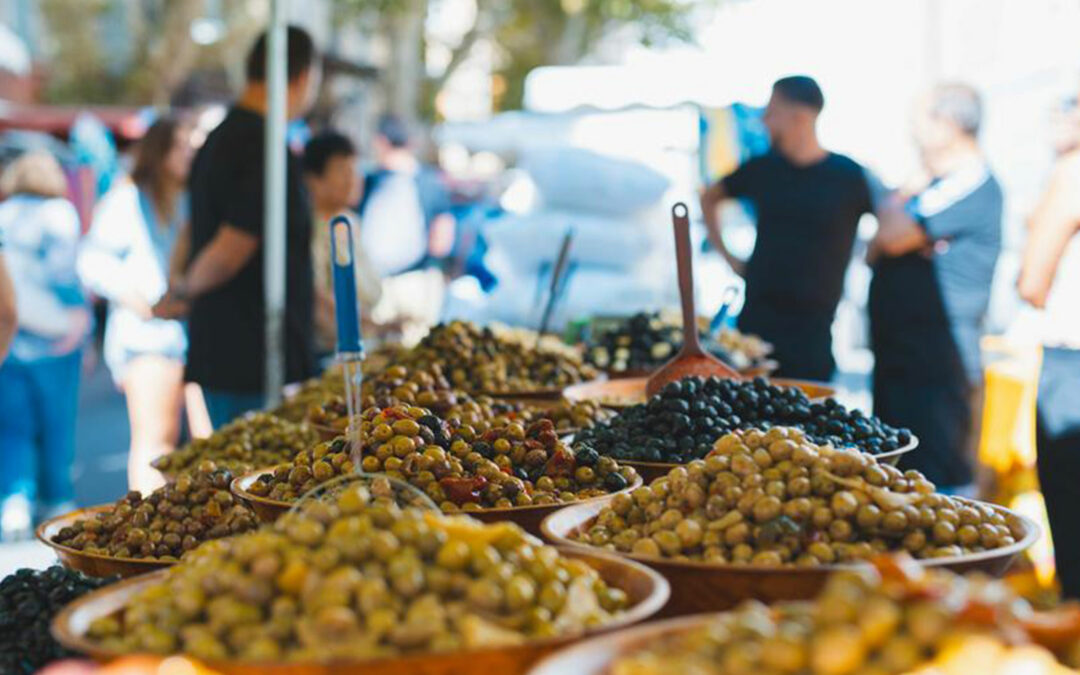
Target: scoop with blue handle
<point>350,345</point>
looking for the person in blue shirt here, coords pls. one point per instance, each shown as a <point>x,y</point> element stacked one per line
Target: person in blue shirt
<point>39,381</point>
<point>125,259</point>
<point>934,258</point>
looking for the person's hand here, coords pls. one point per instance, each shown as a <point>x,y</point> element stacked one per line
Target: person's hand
<point>78,319</point>
<point>441,236</point>
<point>171,306</point>
<point>138,305</point>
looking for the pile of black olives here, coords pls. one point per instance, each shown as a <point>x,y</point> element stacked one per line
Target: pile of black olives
<point>28,601</point>
<point>682,421</point>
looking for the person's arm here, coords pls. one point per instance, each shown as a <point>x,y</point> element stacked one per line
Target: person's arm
<point>221,260</point>
<point>898,232</point>
<point>1054,221</point>
<point>8,316</point>
<point>711,200</point>
<point>178,259</point>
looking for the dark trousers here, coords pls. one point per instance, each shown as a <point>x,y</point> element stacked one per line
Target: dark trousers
<point>939,413</point>
<point>1057,437</point>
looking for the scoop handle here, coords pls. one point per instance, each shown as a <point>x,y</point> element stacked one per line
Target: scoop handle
<point>680,219</point>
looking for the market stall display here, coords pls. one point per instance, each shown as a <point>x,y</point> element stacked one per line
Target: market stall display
<point>477,360</point>
<point>622,393</point>
<point>775,511</point>
<point>682,421</point>
<point>29,599</point>
<point>638,344</point>
<point>254,440</point>
<point>365,584</point>
<point>511,470</point>
<point>138,534</point>
<point>891,618</point>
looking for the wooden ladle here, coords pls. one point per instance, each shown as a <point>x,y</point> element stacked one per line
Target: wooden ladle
<point>692,359</point>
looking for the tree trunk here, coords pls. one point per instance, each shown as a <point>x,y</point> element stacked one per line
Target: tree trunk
<point>405,73</point>
<point>174,53</point>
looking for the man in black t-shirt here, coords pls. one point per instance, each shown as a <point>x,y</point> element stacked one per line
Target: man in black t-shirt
<point>223,281</point>
<point>808,202</point>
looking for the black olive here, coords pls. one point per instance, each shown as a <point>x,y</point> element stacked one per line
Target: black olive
<point>615,481</point>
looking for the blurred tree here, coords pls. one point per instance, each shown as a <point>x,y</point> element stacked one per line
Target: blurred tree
<point>527,34</point>
<point>144,59</point>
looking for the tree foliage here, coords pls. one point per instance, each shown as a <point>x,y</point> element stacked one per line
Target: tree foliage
<point>527,33</point>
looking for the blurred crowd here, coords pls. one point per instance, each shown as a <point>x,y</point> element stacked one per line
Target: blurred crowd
<point>174,249</point>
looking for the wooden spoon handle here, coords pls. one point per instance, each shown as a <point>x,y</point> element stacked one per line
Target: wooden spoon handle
<point>680,219</point>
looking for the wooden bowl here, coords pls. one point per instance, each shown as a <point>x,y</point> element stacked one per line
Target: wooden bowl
<point>646,589</point>
<point>649,471</point>
<point>595,656</point>
<point>625,392</point>
<point>528,517</point>
<point>326,433</point>
<point>93,564</point>
<point>762,368</point>
<point>702,587</point>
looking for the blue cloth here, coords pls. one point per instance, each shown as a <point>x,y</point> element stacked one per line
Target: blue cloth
<point>40,239</point>
<point>224,406</point>
<point>38,404</point>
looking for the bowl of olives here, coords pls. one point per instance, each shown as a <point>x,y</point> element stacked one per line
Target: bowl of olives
<point>682,421</point>
<point>93,564</point>
<point>363,585</point>
<point>139,534</point>
<point>888,618</point>
<point>769,514</point>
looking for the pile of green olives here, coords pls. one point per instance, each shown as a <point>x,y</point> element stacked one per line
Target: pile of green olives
<point>870,620</point>
<point>362,578</point>
<point>776,498</point>
<point>477,360</point>
<point>575,415</point>
<point>167,523</point>
<point>308,470</point>
<point>251,442</point>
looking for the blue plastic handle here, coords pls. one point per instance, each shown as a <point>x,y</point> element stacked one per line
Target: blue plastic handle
<point>347,309</point>
<point>730,293</point>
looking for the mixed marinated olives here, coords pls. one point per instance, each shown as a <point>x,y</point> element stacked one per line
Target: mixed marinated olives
<point>169,522</point>
<point>477,360</point>
<point>776,498</point>
<point>458,469</point>
<point>647,340</point>
<point>892,619</point>
<point>253,441</point>
<point>682,421</point>
<point>362,578</point>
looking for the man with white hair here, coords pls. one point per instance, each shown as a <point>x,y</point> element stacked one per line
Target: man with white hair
<point>934,257</point>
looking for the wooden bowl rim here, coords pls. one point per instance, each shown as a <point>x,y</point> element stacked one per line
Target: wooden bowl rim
<point>620,643</point>
<point>641,611</point>
<point>42,534</point>
<point>240,484</point>
<point>1032,532</point>
<point>667,466</point>
<point>573,391</point>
